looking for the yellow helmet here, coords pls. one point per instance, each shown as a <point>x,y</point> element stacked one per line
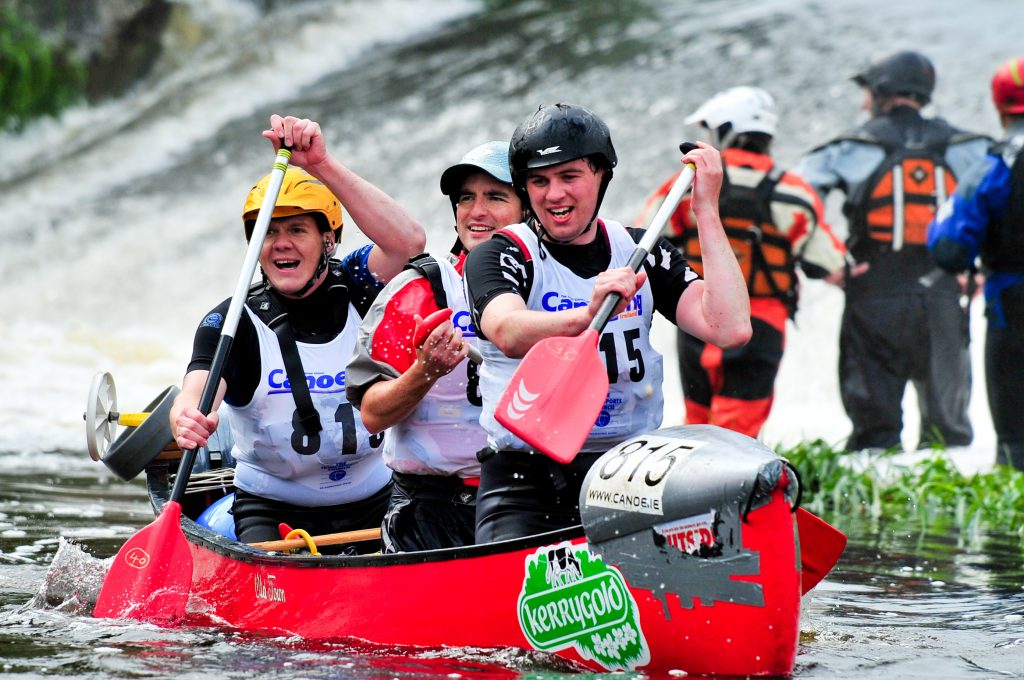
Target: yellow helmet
<point>300,193</point>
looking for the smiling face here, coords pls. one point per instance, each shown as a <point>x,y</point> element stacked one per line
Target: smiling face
<point>564,198</point>
<point>484,206</point>
<point>291,253</point>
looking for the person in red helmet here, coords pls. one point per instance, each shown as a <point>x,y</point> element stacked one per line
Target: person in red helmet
<point>774,222</point>
<point>903,320</point>
<point>303,456</point>
<point>548,277</point>
<point>984,219</point>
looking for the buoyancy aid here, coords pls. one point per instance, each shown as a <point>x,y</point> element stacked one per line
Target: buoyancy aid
<point>893,207</point>
<point>269,309</point>
<point>1003,248</point>
<point>764,253</point>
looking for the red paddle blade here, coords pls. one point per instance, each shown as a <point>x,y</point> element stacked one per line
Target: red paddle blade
<point>555,395</point>
<point>821,544</point>
<point>151,575</point>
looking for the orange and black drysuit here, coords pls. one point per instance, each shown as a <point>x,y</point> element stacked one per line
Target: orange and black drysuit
<point>774,220</point>
<point>903,320</point>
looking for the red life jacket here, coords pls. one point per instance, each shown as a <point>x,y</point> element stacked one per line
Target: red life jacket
<point>762,251</point>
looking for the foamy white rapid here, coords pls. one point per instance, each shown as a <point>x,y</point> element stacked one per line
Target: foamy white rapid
<point>121,227</point>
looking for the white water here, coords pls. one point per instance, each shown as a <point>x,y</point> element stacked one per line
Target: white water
<point>120,223</point>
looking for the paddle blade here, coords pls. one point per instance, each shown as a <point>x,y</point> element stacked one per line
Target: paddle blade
<point>555,395</point>
<point>151,575</point>
<point>821,545</point>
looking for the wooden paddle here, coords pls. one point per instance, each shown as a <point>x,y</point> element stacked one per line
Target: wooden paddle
<point>355,536</point>
<point>557,392</point>
<point>151,576</point>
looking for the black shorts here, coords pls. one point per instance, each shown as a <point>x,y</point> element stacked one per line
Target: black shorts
<point>257,519</point>
<point>428,512</point>
<point>524,493</point>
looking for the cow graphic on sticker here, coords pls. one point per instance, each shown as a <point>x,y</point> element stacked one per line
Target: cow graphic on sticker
<point>572,599</point>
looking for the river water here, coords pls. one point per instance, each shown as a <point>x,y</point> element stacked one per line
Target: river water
<point>120,229</point>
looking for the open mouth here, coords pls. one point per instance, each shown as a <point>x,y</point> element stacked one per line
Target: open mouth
<point>286,264</point>
<point>560,213</point>
<point>480,229</point>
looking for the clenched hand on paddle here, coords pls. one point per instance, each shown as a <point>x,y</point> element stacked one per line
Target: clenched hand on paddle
<point>151,575</point>
<point>557,392</point>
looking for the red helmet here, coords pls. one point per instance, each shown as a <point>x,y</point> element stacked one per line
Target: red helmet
<point>1008,86</point>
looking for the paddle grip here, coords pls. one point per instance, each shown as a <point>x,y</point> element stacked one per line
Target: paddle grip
<point>653,233</point>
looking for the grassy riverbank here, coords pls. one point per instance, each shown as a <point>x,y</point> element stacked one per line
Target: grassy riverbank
<point>931,491</point>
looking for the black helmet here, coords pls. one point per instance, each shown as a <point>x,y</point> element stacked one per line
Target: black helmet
<point>903,73</point>
<point>559,133</point>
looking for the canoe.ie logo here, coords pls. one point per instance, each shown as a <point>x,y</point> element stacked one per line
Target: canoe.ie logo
<point>570,598</point>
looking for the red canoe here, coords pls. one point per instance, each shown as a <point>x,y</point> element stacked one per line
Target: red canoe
<point>688,560</point>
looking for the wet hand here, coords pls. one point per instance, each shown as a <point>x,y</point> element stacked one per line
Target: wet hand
<point>707,182</point>
<point>441,351</point>
<point>302,135</point>
<point>192,428</point>
<point>623,281</point>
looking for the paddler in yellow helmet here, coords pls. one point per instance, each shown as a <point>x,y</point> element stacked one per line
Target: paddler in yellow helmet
<point>303,456</point>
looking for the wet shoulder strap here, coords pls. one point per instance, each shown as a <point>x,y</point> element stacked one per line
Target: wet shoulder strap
<point>272,313</point>
<point>429,269</point>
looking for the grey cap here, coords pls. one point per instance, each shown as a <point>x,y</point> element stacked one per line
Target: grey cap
<point>489,157</point>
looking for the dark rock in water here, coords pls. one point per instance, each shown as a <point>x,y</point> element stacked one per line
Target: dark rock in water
<point>72,582</point>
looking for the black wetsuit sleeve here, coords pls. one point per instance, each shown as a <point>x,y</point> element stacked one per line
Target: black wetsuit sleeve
<point>493,268</point>
<point>242,368</point>
<point>668,272</point>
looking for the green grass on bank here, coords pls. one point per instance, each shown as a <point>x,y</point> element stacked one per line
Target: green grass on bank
<point>931,492</point>
<point>36,78</point>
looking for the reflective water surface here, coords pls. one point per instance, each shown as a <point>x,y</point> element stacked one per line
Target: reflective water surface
<point>900,604</point>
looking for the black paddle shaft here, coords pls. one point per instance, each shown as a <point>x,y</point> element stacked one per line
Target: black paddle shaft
<point>188,460</point>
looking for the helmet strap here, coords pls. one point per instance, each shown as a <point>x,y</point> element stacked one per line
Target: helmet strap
<point>605,179</point>
<point>321,267</point>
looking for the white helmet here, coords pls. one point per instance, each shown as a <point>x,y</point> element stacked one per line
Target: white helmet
<point>745,109</point>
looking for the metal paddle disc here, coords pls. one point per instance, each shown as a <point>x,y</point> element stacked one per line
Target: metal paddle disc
<point>100,415</point>
<point>145,436</point>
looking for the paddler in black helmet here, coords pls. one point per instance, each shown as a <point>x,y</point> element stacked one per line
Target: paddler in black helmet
<point>903,320</point>
<point>548,276</point>
<point>303,456</point>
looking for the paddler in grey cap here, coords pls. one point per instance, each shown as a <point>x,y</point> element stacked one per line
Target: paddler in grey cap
<point>427,392</point>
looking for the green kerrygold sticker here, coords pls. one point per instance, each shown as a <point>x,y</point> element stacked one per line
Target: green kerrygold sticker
<point>570,598</point>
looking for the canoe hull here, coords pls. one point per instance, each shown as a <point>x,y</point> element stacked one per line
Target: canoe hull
<point>485,601</point>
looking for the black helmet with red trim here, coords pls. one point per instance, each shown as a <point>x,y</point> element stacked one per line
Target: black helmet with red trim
<point>556,134</point>
<point>559,133</point>
<point>904,73</point>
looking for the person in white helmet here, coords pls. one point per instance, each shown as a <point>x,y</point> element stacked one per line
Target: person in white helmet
<point>774,222</point>
<point>428,395</point>
<point>303,456</point>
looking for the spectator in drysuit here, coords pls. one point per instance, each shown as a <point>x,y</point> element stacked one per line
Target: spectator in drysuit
<point>303,456</point>
<point>985,217</point>
<point>903,320</point>
<point>774,221</point>
<point>429,396</point>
